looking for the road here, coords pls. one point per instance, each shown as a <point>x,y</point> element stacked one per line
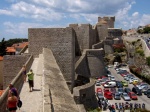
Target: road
<point>141,99</point>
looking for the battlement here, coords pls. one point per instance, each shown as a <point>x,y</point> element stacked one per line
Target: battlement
<point>106,19</point>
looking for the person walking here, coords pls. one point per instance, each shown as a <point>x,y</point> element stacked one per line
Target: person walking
<point>14,90</point>
<point>12,102</point>
<point>24,73</point>
<point>30,75</point>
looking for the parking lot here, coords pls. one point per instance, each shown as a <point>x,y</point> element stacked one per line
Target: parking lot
<point>141,99</point>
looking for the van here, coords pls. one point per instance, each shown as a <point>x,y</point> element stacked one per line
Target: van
<point>110,84</point>
<point>116,64</point>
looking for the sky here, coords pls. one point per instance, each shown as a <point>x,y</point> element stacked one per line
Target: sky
<point>16,16</point>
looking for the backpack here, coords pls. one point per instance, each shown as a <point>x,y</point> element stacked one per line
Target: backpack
<point>19,104</point>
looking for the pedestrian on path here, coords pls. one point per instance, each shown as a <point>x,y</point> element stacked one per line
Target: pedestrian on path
<point>30,75</point>
<point>12,102</point>
<point>24,73</point>
<point>14,90</point>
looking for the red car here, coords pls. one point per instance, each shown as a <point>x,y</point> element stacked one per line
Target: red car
<point>108,94</point>
<point>133,96</point>
<point>99,90</point>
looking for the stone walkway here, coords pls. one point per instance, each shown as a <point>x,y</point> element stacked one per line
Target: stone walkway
<point>32,101</point>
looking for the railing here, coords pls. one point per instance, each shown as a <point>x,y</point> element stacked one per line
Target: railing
<point>23,50</point>
<point>17,82</point>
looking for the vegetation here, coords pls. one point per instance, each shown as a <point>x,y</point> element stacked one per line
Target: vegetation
<point>3,47</point>
<point>140,52</point>
<point>148,61</point>
<point>10,42</point>
<point>4,44</point>
<point>144,30</point>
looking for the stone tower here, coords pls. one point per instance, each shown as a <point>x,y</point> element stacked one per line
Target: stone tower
<point>107,20</point>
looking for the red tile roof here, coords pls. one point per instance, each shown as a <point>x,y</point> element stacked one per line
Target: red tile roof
<point>10,49</point>
<point>1,92</point>
<point>20,45</point>
<point>1,58</point>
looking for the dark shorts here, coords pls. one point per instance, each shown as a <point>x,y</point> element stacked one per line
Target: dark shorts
<point>13,108</point>
<point>31,83</point>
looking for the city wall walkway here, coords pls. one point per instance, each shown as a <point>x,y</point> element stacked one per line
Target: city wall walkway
<point>32,101</point>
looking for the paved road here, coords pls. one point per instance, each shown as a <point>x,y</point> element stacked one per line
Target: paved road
<point>141,99</point>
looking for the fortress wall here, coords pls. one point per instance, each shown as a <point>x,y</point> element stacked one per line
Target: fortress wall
<point>96,62</point>
<point>81,67</point>
<point>110,21</point>
<point>85,35</point>
<point>102,32</point>
<point>91,63</point>
<point>98,45</point>
<point>62,43</point>
<point>85,95</point>
<point>108,46</point>
<point>57,96</point>
<point>12,64</point>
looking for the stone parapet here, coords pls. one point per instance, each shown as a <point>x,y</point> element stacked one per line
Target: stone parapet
<point>57,97</point>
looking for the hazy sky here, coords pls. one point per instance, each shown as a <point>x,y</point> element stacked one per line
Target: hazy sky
<point>16,16</point>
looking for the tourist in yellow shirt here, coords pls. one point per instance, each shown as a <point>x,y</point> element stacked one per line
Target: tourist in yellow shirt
<point>30,75</point>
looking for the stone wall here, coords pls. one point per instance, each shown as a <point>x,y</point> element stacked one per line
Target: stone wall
<point>115,32</point>
<point>86,95</point>
<point>12,64</point>
<point>102,32</point>
<point>98,45</point>
<point>110,21</point>
<point>18,82</point>
<point>86,36</point>
<point>57,97</point>
<point>1,74</point>
<point>62,43</point>
<point>95,62</point>
<point>91,63</point>
<point>108,46</point>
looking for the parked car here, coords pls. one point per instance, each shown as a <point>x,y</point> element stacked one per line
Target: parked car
<point>107,94</point>
<point>110,84</point>
<point>119,84</point>
<point>97,83</point>
<point>120,90</point>
<point>100,95</point>
<point>126,78</point>
<point>135,81</point>
<point>133,96</point>
<point>117,96</point>
<point>125,84</point>
<point>136,90</point>
<point>126,97</point>
<point>113,90</point>
<point>127,90</point>
<point>98,90</point>
<point>147,93</point>
<point>112,78</point>
<point>142,85</point>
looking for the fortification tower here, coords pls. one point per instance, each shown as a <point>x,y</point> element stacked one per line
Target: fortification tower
<point>109,20</point>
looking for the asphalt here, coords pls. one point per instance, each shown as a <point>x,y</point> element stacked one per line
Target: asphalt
<point>32,101</point>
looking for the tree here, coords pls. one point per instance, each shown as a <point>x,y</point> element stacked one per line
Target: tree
<point>148,61</point>
<point>3,47</point>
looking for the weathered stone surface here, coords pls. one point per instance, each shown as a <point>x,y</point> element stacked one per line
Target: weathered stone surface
<point>55,87</point>
<point>12,65</point>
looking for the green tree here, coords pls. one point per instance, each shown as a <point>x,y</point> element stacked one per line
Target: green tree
<point>146,30</point>
<point>148,61</point>
<point>3,47</point>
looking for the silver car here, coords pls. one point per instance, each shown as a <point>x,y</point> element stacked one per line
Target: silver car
<point>126,97</point>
